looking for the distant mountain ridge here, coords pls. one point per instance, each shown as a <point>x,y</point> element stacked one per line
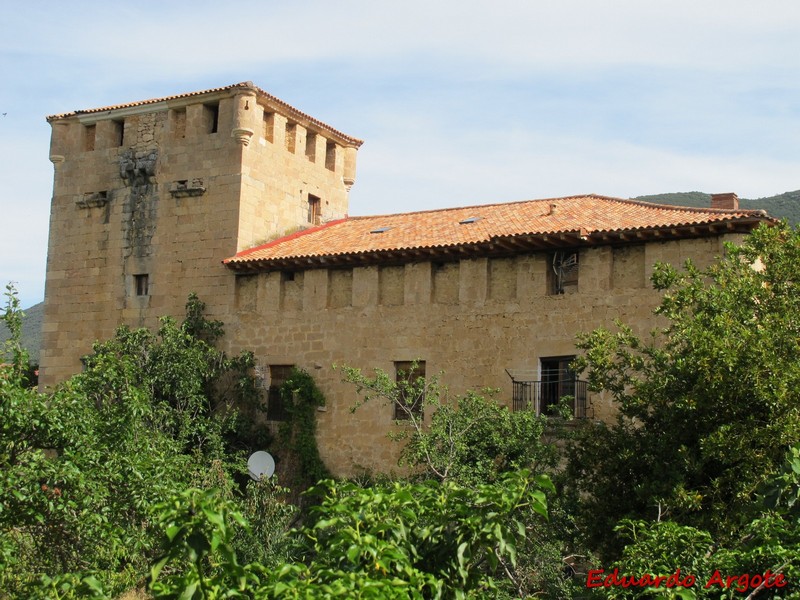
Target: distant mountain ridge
<point>31,332</point>
<point>783,206</point>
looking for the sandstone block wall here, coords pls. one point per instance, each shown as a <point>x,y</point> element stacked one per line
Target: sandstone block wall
<point>471,320</point>
<point>152,198</point>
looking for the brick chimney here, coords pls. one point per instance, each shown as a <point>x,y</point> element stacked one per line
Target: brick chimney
<point>728,201</point>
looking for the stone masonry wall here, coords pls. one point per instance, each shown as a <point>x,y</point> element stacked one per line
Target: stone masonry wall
<point>471,320</point>
<point>152,199</point>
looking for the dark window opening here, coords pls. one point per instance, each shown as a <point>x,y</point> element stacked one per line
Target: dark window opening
<point>291,136</point>
<point>212,117</point>
<point>142,284</point>
<point>268,126</point>
<point>410,379</point>
<point>119,132</point>
<point>556,382</point>
<point>311,146</point>
<point>314,209</point>
<point>330,156</point>
<point>89,132</point>
<point>288,275</point>
<point>563,272</point>
<point>276,407</point>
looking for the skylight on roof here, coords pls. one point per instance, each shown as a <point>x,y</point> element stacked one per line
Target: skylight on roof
<point>469,220</point>
<point>380,229</point>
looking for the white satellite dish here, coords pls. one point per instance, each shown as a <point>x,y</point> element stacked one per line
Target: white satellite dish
<point>260,464</point>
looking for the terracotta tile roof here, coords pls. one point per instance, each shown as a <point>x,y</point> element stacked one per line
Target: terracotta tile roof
<point>492,229</point>
<point>283,107</point>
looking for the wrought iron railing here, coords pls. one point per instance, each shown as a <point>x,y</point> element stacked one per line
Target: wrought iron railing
<point>544,396</point>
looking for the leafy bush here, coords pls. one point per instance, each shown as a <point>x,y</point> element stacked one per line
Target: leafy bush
<point>404,540</point>
<point>707,407</point>
<point>471,440</point>
<point>81,469</point>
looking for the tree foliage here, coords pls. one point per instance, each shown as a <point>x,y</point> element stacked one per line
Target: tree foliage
<point>708,405</point>
<point>470,439</point>
<point>81,468</point>
<point>402,540</point>
<point>769,544</point>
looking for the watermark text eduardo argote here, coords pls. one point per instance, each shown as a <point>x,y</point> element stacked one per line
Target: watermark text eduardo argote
<point>741,583</point>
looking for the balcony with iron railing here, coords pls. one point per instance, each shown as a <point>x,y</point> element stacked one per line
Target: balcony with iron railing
<point>544,396</point>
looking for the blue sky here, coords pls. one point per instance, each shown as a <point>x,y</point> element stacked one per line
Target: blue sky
<point>459,102</point>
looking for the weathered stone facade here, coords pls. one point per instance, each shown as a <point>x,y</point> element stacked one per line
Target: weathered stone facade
<point>149,198</point>
<point>477,321</point>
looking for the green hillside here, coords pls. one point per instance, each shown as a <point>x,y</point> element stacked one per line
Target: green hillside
<point>783,206</point>
<point>31,331</point>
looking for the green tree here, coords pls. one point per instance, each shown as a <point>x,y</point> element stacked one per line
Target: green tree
<point>707,406</point>
<point>18,369</point>
<point>401,540</point>
<point>81,469</point>
<point>470,439</point>
<point>768,545</point>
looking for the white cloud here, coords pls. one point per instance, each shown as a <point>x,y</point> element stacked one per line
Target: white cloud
<point>424,173</point>
<point>199,37</point>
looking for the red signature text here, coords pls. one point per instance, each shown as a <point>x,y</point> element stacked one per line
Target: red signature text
<point>741,583</point>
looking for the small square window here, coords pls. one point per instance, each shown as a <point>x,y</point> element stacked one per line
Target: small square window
<point>410,379</point>
<point>142,284</point>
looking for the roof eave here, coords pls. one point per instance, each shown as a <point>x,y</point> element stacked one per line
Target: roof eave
<point>497,247</point>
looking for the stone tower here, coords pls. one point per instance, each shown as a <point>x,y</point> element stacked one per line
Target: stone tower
<point>149,198</point>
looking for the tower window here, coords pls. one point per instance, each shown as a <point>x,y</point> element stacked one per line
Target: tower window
<point>330,156</point>
<point>119,132</point>
<point>563,273</point>
<point>89,132</point>
<point>278,374</point>
<point>291,135</point>
<point>311,146</point>
<point>142,284</point>
<point>268,126</point>
<point>211,112</point>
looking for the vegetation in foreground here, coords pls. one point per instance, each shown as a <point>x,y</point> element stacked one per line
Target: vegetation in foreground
<point>129,475</point>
